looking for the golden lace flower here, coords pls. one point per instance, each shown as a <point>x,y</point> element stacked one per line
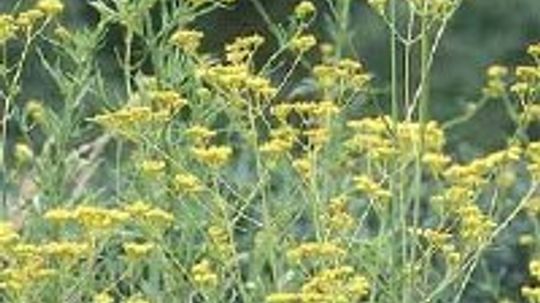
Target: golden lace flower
<point>187,183</point>
<point>378,5</point>
<point>8,235</point>
<point>241,50</point>
<point>103,297</point>
<point>66,250</point>
<point>372,189</point>
<point>304,10</point>
<point>303,43</point>
<point>337,216</point>
<point>534,50</point>
<point>28,18</point>
<point>159,217</point>
<point>152,167</point>
<point>203,275</point>
<point>169,100</point>
<point>221,242</point>
<point>187,40</point>
<point>200,134</point>
<point>50,7</point>
<point>23,153</point>
<point>59,215</point>
<point>136,251</point>
<point>8,28</point>
<point>315,250</point>
<point>98,218</point>
<point>213,156</point>
<point>304,167</point>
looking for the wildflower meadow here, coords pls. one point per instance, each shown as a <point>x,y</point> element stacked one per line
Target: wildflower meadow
<point>274,168</point>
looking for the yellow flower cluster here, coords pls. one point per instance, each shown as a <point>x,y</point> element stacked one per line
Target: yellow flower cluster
<point>496,85</point>
<point>346,72</point>
<point>337,217</point>
<point>8,235</point>
<point>433,8</point>
<point>237,78</point>
<point>50,7</point>
<point>29,18</point>
<point>527,80</point>
<point>187,183</point>
<point>102,297</point>
<point>303,43</point>
<point>371,138</point>
<point>98,218</point>
<point>137,251</point>
<point>378,5</point>
<point>167,100</point>
<point>8,28</point>
<point>240,51</point>
<point>464,182</point>
<point>303,167</point>
<point>441,241</point>
<point>304,10</point>
<point>66,250</point>
<point>532,293</point>
<point>213,156</point>
<point>220,242</point>
<point>374,138</point>
<point>436,162</point>
<point>203,275</point>
<point>25,275</point>
<point>334,285</point>
<point>534,51</point>
<point>152,167</point>
<point>315,250</point>
<point>187,40</point>
<point>373,190</point>
<point>199,134</point>
<point>280,142</point>
<point>126,120</point>
<point>533,154</point>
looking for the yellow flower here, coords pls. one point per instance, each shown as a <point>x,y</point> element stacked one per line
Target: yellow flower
<point>187,183</point>
<point>59,215</point>
<point>159,217</point>
<point>200,134</point>
<point>168,100</point>
<point>136,251</point>
<point>8,235</point>
<point>315,250</point>
<point>304,9</point>
<point>50,7</point>
<point>214,156</point>
<point>97,218</point>
<point>203,275</point>
<point>28,18</point>
<point>152,167</point>
<point>23,153</point>
<point>302,44</point>
<point>103,298</point>
<point>66,250</point>
<point>187,40</point>
<point>372,189</point>
<point>8,28</point>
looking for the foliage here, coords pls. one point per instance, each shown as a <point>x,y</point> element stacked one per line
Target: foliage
<point>280,171</point>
